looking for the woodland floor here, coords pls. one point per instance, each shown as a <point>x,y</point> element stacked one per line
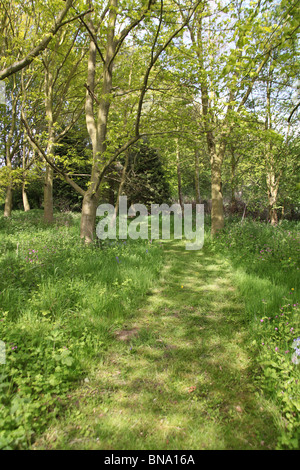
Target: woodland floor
<point>178,375</point>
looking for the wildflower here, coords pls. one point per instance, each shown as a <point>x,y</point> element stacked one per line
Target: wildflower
<point>276,349</point>
<point>276,329</point>
<point>295,359</point>
<point>296,343</point>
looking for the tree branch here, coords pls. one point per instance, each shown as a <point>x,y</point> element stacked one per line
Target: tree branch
<point>154,59</point>
<point>129,28</point>
<point>16,66</point>
<point>295,109</point>
<point>35,145</point>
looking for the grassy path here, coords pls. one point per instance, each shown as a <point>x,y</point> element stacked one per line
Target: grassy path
<point>177,376</point>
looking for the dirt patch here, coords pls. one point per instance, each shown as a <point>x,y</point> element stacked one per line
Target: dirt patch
<point>127,335</point>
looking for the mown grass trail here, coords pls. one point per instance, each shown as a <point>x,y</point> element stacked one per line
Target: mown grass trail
<point>177,375</point>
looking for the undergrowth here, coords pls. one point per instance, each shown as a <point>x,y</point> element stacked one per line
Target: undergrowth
<point>266,261</point>
<point>60,301</point>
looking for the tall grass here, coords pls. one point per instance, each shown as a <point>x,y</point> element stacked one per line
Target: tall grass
<point>60,302</point>
<point>266,261</point>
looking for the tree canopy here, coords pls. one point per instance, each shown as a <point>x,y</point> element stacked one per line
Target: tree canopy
<point>212,85</point>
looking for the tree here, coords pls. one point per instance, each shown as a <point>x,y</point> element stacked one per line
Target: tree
<point>10,136</point>
<point>146,182</point>
<point>11,13</point>
<point>60,101</point>
<point>254,34</point>
<point>107,146</point>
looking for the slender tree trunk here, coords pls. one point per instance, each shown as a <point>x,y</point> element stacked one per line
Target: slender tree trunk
<point>233,184</point>
<point>123,177</point>
<point>9,155</point>
<point>197,181</point>
<point>8,201</point>
<point>216,152</point>
<point>272,196</point>
<point>217,211</point>
<point>24,193</point>
<point>48,182</point>
<point>26,204</point>
<point>272,181</point>
<point>9,189</point>
<point>122,182</point>
<point>48,195</point>
<point>179,181</point>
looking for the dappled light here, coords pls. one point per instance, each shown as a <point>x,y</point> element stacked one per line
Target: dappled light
<point>184,381</point>
<point>149,225</point>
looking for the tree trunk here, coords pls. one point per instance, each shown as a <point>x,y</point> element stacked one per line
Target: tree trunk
<point>9,189</point>
<point>98,130</point>
<point>48,195</point>
<point>8,157</point>
<point>197,181</point>
<point>88,217</point>
<point>217,211</point>
<point>216,152</point>
<point>48,183</point>
<point>179,184</point>
<point>26,204</point>
<point>272,197</point>
<point>122,182</point>
<point>8,201</point>
<point>233,204</point>
<point>24,194</point>
<point>273,216</point>
<point>272,181</point>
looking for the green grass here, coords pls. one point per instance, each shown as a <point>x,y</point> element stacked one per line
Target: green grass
<point>143,345</point>
<point>59,302</point>
<point>182,378</point>
<point>266,262</point>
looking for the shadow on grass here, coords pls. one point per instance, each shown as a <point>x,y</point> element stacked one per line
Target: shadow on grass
<point>186,381</point>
